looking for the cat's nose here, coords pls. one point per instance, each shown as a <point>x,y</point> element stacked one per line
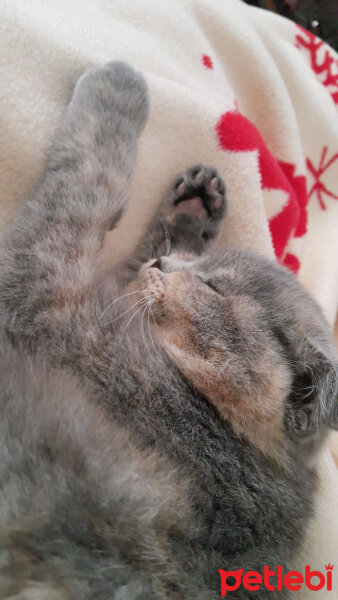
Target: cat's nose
<point>156,264</point>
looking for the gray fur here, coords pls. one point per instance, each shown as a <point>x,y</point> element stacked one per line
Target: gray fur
<point>119,480</point>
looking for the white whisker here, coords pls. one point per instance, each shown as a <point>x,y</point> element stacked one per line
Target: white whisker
<point>142,328</point>
<point>128,310</point>
<point>168,242</point>
<point>120,298</point>
<point>136,311</point>
<point>150,309</point>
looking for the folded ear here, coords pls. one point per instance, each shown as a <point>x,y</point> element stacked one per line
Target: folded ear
<point>312,405</point>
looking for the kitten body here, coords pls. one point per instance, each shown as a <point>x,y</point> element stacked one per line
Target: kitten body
<point>132,464</point>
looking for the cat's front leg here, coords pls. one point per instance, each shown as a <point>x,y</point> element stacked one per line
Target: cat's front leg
<point>49,257</point>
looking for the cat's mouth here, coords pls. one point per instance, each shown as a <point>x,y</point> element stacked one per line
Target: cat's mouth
<point>165,290</point>
<point>153,283</point>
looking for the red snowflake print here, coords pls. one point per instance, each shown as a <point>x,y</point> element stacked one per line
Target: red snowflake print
<point>206,60</point>
<point>318,187</point>
<point>236,133</point>
<point>323,61</point>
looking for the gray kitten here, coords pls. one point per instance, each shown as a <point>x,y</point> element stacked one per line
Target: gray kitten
<point>158,422</point>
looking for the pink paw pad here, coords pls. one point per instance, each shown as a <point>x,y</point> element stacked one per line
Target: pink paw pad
<point>199,192</point>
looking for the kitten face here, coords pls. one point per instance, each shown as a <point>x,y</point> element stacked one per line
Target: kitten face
<point>227,320</point>
<point>219,340</point>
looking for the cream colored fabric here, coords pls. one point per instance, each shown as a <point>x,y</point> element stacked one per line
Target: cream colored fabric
<point>202,59</point>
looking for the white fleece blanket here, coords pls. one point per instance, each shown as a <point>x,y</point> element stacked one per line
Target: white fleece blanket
<point>230,85</point>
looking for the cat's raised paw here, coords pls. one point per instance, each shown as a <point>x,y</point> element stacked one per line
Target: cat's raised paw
<point>115,91</point>
<point>194,208</point>
<point>200,191</point>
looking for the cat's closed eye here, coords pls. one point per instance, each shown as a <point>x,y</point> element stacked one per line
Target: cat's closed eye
<point>212,286</point>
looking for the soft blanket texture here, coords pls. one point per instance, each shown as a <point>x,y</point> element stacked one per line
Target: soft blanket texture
<point>230,85</point>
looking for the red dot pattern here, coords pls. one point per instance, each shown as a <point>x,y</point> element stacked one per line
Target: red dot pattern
<point>206,60</point>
